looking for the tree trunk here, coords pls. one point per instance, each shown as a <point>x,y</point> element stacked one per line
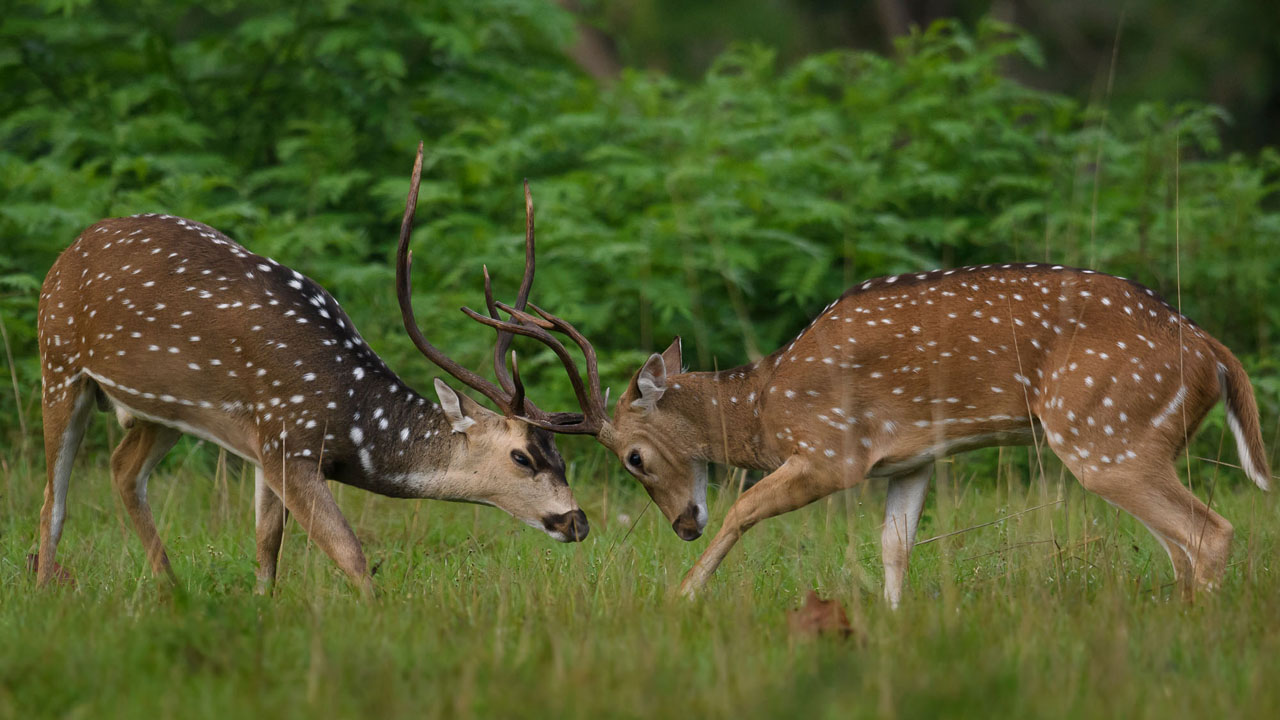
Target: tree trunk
<point>593,51</point>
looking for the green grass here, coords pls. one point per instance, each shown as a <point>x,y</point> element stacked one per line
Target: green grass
<point>1065,611</point>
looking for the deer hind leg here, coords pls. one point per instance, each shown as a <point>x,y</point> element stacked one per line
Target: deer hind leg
<point>270,516</point>
<point>144,445</point>
<point>791,486</point>
<point>1203,535</point>
<point>66,415</point>
<point>903,506</point>
<point>305,494</point>
<point>1181,561</point>
<point>1197,539</point>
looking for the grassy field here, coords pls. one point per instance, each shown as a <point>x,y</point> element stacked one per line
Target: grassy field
<point>1062,611</point>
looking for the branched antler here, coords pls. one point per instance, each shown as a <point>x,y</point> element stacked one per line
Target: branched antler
<point>509,394</point>
<point>593,414</point>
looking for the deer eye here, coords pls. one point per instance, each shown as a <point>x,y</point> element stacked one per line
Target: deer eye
<point>521,459</point>
<point>634,460</point>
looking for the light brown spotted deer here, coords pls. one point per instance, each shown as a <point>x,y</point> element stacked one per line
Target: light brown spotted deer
<point>182,330</point>
<point>903,370</point>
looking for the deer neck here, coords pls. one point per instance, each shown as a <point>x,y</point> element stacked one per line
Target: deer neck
<point>398,444</point>
<point>722,410</point>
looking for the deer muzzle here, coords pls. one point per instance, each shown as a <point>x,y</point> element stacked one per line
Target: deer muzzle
<point>690,523</point>
<point>567,527</point>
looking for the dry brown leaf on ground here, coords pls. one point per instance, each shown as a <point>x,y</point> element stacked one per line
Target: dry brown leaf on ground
<point>61,575</point>
<point>819,617</point>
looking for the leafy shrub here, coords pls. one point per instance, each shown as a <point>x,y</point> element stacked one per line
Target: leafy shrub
<point>728,210</point>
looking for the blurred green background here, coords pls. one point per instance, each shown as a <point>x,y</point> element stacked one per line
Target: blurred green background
<point>719,170</point>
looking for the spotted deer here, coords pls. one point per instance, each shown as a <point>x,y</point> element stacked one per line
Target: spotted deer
<point>901,371</point>
<point>182,330</point>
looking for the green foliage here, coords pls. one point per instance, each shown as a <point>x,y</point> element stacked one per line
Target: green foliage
<point>728,210</point>
<point>288,125</point>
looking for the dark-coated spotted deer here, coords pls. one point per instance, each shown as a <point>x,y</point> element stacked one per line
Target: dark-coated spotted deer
<point>903,370</point>
<point>182,330</point>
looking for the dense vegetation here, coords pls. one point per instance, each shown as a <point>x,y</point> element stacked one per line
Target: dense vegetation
<point>727,210</point>
<point>1122,52</point>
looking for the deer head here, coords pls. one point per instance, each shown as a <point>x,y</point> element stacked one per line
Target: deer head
<point>661,444</point>
<point>502,461</point>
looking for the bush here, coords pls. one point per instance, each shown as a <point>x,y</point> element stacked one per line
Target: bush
<point>728,210</point>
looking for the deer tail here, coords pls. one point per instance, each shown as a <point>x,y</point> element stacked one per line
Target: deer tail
<point>1242,417</point>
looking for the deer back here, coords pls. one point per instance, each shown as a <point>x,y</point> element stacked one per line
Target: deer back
<point>903,367</point>
<point>180,324</point>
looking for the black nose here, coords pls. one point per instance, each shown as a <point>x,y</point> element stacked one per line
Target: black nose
<point>686,526</point>
<point>572,525</point>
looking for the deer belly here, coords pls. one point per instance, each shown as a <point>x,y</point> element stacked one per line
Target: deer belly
<point>223,424</point>
<point>915,455</point>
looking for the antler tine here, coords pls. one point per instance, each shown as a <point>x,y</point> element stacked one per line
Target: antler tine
<point>404,294</point>
<point>526,282</point>
<point>588,352</point>
<point>537,333</point>
<point>525,317</point>
<point>503,342</point>
<point>522,296</point>
<point>593,405</point>
<point>590,421</point>
<point>517,398</point>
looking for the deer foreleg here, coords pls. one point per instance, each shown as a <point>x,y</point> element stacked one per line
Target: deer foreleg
<point>307,497</point>
<point>791,486</point>
<point>269,516</point>
<point>902,508</point>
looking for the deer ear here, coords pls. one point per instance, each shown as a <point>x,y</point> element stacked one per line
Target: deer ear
<point>456,407</point>
<point>651,383</point>
<point>672,356</point>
